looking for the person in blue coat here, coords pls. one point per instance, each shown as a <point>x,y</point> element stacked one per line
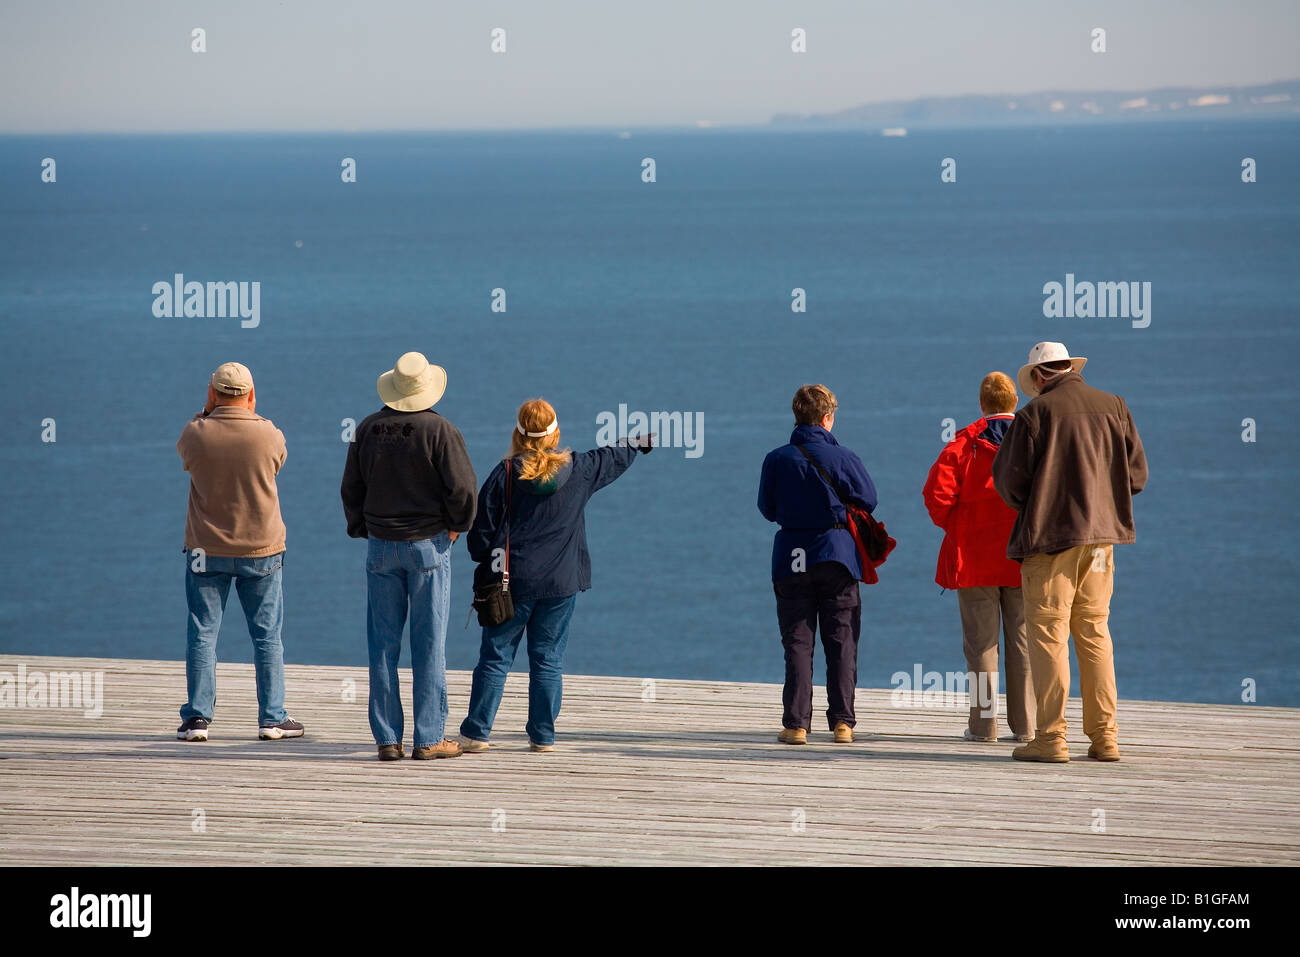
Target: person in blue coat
<point>548,561</point>
<point>815,563</point>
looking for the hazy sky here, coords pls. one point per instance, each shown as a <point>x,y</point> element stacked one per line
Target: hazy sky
<point>70,65</point>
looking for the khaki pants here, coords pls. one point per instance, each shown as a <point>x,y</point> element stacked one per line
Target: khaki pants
<point>1069,593</point>
<point>982,610</point>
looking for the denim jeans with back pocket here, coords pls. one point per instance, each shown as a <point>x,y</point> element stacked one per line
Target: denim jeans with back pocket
<point>207,585</point>
<point>414,575</point>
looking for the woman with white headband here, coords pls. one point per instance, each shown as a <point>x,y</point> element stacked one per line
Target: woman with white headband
<point>542,544</point>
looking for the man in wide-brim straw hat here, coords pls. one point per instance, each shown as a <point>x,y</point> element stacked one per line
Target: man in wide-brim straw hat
<point>1070,465</point>
<point>409,488</point>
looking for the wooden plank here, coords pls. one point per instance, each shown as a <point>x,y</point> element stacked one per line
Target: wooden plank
<point>693,776</point>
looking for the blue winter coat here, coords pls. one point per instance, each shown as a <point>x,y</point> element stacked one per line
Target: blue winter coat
<point>548,531</point>
<point>793,494</point>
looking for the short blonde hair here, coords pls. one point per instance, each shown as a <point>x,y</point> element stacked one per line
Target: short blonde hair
<point>812,403</point>
<point>998,394</point>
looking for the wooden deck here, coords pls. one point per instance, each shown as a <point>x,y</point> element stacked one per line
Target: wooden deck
<point>694,776</point>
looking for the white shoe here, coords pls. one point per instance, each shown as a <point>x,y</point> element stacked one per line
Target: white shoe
<point>534,746</point>
<point>471,745</point>
<point>967,736</point>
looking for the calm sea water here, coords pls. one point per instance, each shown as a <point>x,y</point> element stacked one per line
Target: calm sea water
<point>673,296</point>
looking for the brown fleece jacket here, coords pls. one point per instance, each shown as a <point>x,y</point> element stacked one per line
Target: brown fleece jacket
<point>233,456</point>
<point>1070,465</point>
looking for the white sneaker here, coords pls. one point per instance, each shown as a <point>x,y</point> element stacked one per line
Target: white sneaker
<point>967,736</point>
<point>534,746</point>
<point>471,745</point>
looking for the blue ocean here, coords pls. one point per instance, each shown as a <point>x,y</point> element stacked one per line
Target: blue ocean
<point>666,296</point>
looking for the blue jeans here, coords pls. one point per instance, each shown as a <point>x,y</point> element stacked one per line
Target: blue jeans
<point>547,621</point>
<point>419,574</point>
<point>257,580</point>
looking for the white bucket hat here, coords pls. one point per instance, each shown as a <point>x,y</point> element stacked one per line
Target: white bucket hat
<point>1045,352</point>
<point>413,384</point>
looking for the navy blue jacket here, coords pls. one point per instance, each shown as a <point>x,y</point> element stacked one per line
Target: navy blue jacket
<point>794,495</point>
<point>548,530</point>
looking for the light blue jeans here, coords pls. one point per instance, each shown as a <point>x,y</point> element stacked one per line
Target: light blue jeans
<point>258,582</point>
<point>547,622</point>
<point>415,574</point>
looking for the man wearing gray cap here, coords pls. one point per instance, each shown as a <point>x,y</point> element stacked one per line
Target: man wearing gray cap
<point>233,533</point>
<point>1069,465</point>
<point>408,486</point>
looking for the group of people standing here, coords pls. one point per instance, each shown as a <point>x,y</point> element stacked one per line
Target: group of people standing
<point>409,489</point>
<point>1031,504</point>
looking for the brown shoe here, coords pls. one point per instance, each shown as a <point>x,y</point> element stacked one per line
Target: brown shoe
<point>843,734</point>
<point>1050,750</point>
<point>1106,751</point>
<point>793,736</point>
<point>443,749</point>
<point>391,752</point>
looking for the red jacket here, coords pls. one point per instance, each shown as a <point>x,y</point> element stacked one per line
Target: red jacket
<point>977,524</point>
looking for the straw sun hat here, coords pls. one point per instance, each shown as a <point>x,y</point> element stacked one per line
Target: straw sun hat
<point>413,384</point>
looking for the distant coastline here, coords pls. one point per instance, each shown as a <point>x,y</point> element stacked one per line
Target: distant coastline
<point>1267,100</point>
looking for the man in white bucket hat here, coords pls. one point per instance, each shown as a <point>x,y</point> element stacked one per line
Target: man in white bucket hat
<point>409,488</point>
<point>1069,465</point>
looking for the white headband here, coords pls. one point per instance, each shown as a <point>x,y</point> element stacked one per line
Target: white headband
<point>555,424</point>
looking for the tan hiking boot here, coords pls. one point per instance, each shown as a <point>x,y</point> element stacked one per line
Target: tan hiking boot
<point>1105,751</point>
<point>443,749</point>
<point>1050,750</point>
<point>793,736</point>
<point>843,734</point>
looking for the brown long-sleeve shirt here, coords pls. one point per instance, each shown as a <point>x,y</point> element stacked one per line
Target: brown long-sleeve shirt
<point>233,456</point>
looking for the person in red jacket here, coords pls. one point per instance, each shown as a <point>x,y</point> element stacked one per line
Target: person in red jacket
<point>960,497</point>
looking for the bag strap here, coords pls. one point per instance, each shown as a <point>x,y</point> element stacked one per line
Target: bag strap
<point>817,466</point>
<point>505,577</point>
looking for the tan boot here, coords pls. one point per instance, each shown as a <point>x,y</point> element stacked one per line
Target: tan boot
<point>443,749</point>
<point>793,736</point>
<point>843,734</point>
<point>1105,751</point>
<point>1045,748</point>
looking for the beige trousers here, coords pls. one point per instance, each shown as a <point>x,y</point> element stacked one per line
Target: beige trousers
<point>1069,594</point>
<point>982,611</point>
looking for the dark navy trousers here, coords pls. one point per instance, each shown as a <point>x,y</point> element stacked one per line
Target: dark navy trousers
<point>826,594</point>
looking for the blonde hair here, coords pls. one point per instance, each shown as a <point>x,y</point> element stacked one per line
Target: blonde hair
<point>812,403</point>
<point>998,393</point>
<point>540,459</point>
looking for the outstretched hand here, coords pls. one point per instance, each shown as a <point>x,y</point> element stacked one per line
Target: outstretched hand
<point>453,536</point>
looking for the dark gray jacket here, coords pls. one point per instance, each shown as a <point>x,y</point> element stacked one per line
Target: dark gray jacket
<point>407,477</point>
